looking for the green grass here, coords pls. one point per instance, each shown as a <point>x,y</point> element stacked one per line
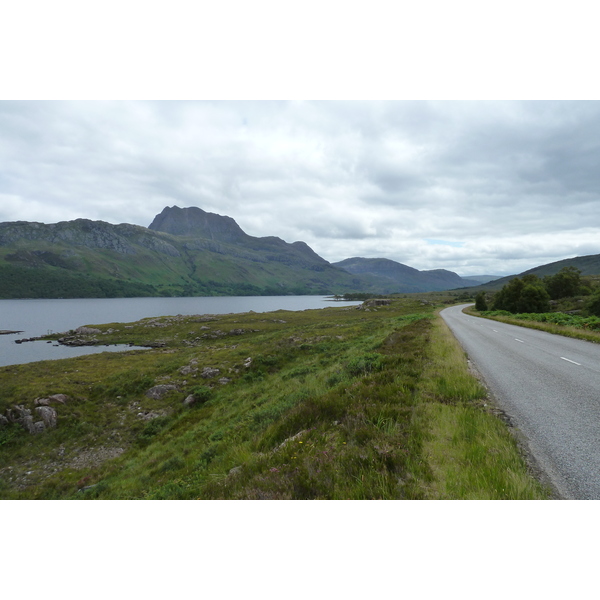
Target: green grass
<point>575,326</point>
<point>336,403</point>
<point>470,451</point>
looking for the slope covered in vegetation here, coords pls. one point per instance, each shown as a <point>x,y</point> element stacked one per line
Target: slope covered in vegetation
<point>373,402</point>
<point>184,252</point>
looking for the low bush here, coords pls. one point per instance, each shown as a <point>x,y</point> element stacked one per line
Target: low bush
<point>363,365</point>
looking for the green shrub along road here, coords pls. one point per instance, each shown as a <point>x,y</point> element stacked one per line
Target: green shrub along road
<point>370,402</point>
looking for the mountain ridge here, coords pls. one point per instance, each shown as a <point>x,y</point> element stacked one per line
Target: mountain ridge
<point>405,278</point>
<point>588,264</point>
<point>184,251</point>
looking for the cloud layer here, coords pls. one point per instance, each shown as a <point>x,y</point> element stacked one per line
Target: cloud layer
<point>474,187</point>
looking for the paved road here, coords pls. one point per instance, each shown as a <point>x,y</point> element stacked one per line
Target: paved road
<point>550,387</point>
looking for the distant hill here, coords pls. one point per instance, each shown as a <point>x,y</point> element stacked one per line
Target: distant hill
<point>393,276</point>
<point>588,265</point>
<point>480,278</point>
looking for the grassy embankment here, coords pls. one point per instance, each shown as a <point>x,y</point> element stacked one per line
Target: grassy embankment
<point>338,403</point>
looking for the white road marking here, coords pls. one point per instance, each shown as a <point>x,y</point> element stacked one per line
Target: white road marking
<point>571,361</point>
<point>518,340</point>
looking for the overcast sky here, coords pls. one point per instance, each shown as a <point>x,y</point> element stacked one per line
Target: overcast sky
<point>473,187</point>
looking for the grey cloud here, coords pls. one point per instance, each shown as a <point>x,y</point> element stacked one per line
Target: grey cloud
<point>514,181</point>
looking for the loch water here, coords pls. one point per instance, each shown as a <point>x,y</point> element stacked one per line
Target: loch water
<point>34,318</point>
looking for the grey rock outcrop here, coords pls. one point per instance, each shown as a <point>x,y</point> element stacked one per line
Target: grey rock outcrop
<point>59,398</point>
<point>49,416</point>
<point>87,330</point>
<point>90,234</point>
<point>62,398</point>
<point>159,391</point>
<point>209,372</point>
<point>21,415</point>
<point>188,370</point>
<point>196,222</point>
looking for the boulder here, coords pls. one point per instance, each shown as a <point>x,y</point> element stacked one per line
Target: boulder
<point>17,413</point>
<point>62,398</point>
<point>49,416</point>
<point>21,415</point>
<point>87,330</point>
<point>37,427</point>
<point>29,426</point>
<point>3,421</point>
<point>148,416</point>
<point>189,400</point>
<point>159,391</point>
<point>188,370</point>
<point>377,302</point>
<point>59,398</point>
<point>209,372</point>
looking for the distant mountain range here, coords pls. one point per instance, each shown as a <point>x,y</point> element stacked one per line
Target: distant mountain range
<point>392,276</point>
<point>186,252</point>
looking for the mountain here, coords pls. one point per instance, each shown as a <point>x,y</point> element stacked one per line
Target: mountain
<point>588,265</point>
<point>194,222</point>
<point>393,276</point>
<point>185,252</point>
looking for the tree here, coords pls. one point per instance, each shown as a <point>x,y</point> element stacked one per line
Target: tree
<point>523,295</point>
<point>593,305</point>
<point>480,303</point>
<point>533,299</point>
<point>564,284</point>
<point>508,296</point>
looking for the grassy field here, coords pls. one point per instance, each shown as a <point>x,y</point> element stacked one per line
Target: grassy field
<point>337,403</point>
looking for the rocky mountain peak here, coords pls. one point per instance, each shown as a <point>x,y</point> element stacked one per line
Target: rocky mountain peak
<point>195,222</point>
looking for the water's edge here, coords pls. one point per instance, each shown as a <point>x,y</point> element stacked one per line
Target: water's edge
<point>26,319</point>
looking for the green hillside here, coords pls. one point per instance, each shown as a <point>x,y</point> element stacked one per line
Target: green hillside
<point>588,265</point>
<point>85,258</point>
<point>185,252</point>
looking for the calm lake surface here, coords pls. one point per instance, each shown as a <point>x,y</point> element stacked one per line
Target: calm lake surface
<point>40,317</point>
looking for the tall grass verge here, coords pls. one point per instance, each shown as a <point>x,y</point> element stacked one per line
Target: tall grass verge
<point>544,322</point>
<point>469,449</point>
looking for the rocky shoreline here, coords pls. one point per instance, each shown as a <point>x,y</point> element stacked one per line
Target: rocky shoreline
<point>82,336</point>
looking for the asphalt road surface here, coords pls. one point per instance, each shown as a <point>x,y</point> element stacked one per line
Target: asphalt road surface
<point>549,386</point>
